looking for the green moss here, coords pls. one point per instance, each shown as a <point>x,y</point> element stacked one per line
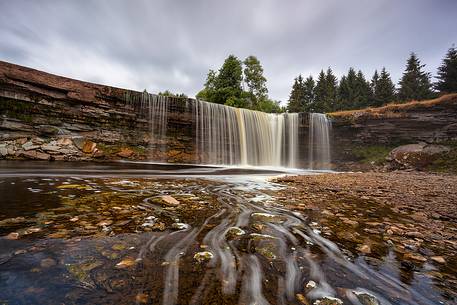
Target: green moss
<point>372,154</point>
<point>447,162</point>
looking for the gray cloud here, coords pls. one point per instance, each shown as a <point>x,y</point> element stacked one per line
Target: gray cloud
<point>166,44</point>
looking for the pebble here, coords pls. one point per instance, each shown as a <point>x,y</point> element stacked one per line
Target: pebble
<point>438,259</point>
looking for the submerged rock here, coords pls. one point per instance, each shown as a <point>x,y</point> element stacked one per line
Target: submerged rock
<point>203,256</point>
<point>265,217</point>
<point>328,301</point>
<point>180,226</point>
<point>169,200</point>
<point>366,298</point>
<point>233,232</point>
<point>126,263</point>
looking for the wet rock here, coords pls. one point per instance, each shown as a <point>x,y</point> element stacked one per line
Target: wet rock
<point>12,236</point>
<point>438,259</point>
<point>365,249</point>
<point>180,226</point>
<point>234,232</point>
<point>47,263</point>
<point>142,298</point>
<point>169,200</point>
<point>29,146</point>
<point>36,155</point>
<point>301,298</point>
<point>265,217</point>
<point>48,130</point>
<point>366,298</point>
<point>328,301</point>
<point>414,256</point>
<point>203,256</point>
<point>105,223</point>
<point>64,141</point>
<point>126,263</point>
<point>310,285</point>
<point>118,247</point>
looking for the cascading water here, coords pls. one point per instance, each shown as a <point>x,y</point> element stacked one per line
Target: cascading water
<point>235,136</point>
<point>319,141</point>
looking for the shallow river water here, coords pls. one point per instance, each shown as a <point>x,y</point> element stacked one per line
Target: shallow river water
<point>128,233</point>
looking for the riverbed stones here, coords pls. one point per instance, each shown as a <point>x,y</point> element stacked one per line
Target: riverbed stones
<point>328,301</point>
<point>438,259</point>
<point>126,263</point>
<point>203,256</point>
<point>169,200</point>
<point>416,156</point>
<point>366,298</point>
<point>266,217</point>
<point>125,152</point>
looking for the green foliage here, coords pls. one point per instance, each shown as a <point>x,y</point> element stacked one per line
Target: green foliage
<point>375,154</point>
<point>325,92</point>
<point>383,89</point>
<point>171,94</point>
<point>415,83</point>
<point>255,81</point>
<point>447,73</point>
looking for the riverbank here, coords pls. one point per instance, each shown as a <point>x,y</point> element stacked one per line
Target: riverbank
<point>414,214</point>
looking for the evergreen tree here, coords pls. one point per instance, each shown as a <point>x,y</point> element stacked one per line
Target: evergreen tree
<point>320,92</point>
<point>415,83</point>
<point>297,96</point>
<point>384,91</point>
<point>447,73</point>
<point>374,83</point>
<point>363,91</point>
<point>309,97</point>
<point>325,92</point>
<point>255,81</point>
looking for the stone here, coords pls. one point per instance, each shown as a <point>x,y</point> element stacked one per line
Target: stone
<point>416,156</point>
<point>64,141</point>
<point>3,151</point>
<point>47,263</point>
<point>125,152</point>
<point>29,146</point>
<point>50,148</point>
<point>203,256</point>
<point>142,298</point>
<point>366,298</point>
<point>48,129</point>
<point>234,232</point>
<point>328,301</point>
<point>89,147</point>
<point>126,263</point>
<point>36,155</point>
<point>180,226</point>
<point>12,236</point>
<point>365,249</point>
<point>438,259</point>
<point>169,200</point>
<point>79,142</point>
<point>21,141</point>
<point>265,217</point>
<point>414,256</point>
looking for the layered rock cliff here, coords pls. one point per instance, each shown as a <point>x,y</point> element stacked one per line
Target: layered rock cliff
<point>48,117</point>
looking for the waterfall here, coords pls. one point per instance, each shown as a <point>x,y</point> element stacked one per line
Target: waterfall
<point>236,136</point>
<point>319,141</point>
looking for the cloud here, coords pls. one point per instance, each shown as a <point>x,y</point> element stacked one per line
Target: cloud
<point>164,44</point>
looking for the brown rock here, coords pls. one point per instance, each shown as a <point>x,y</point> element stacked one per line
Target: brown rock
<point>36,155</point>
<point>89,147</point>
<point>438,259</point>
<point>125,152</point>
<point>169,200</point>
<point>365,249</point>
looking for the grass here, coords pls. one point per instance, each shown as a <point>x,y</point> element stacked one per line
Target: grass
<point>395,109</point>
<point>373,154</point>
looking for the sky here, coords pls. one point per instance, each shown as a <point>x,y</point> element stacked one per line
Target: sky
<point>171,44</point>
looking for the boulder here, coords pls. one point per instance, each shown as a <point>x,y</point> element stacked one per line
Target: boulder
<point>416,156</point>
<point>48,130</point>
<point>36,155</point>
<point>125,152</point>
<point>89,147</point>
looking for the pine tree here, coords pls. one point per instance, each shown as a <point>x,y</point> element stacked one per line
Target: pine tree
<point>255,81</point>
<point>384,91</point>
<point>343,93</point>
<point>447,73</point>
<point>374,84</point>
<point>320,92</point>
<point>309,97</point>
<point>363,91</point>
<point>415,83</point>
<point>297,96</point>
<point>332,88</point>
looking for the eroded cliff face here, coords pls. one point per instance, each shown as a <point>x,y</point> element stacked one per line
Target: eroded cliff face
<point>48,117</point>
<point>369,135</point>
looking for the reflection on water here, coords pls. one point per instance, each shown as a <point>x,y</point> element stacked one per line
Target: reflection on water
<point>103,234</point>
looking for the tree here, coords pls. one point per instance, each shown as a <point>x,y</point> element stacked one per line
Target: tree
<point>363,91</point>
<point>383,89</point>
<point>255,81</point>
<point>297,96</point>
<point>325,92</point>
<point>347,88</point>
<point>309,96</point>
<point>447,72</point>
<point>415,83</point>
<point>171,94</point>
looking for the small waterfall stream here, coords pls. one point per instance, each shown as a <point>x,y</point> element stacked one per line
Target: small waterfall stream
<point>319,141</point>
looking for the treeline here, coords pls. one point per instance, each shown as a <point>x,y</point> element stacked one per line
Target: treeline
<point>353,90</point>
<point>239,84</point>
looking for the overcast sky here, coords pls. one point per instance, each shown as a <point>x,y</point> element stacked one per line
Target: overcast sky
<point>171,44</point>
